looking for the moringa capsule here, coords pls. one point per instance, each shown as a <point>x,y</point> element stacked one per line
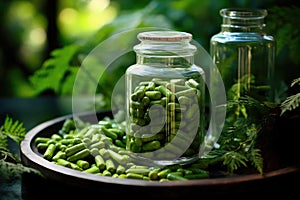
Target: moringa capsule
<point>165,99</point>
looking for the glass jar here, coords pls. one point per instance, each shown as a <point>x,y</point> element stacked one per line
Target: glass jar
<point>244,54</point>
<point>165,94</point>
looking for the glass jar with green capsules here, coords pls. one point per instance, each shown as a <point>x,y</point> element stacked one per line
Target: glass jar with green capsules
<point>165,99</point>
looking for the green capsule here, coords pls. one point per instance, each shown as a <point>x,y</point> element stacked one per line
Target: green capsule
<point>51,141</point>
<point>56,137</point>
<point>192,83</point>
<point>104,153</point>
<point>121,159</point>
<point>191,92</point>
<point>115,176</point>
<point>122,176</point>
<point>140,113</point>
<point>153,174</point>
<point>42,147</point>
<point>83,164</point>
<point>97,145</point>
<point>163,173</point>
<point>165,91</point>
<point>63,162</point>
<point>187,171</point>
<point>120,143</point>
<point>94,151</point>
<point>100,163</point>
<point>109,134</point>
<point>96,137</point>
<point>118,131</point>
<point>148,137</point>
<point>138,142</point>
<point>58,155</point>
<point>41,140</point>
<point>107,173</point>
<point>49,151</point>
<point>176,176</point>
<point>145,101</point>
<point>110,166</point>
<point>150,86</point>
<point>120,169</point>
<point>92,131</point>
<point>179,88</point>
<point>199,171</point>
<point>143,171</point>
<point>114,148</point>
<point>104,123</point>
<point>151,146</point>
<point>75,166</point>
<point>154,95</point>
<point>74,149</point>
<point>134,148</point>
<point>93,170</point>
<point>66,141</point>
<point>68,125</point>
<point>135,176</point>
<point>83,131</point>
<point>79,155</point>
<point>159,81</point>
<point>140,91</point>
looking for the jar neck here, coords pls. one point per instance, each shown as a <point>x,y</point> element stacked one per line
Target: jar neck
<point>243,20</point>
<point>167,61</point>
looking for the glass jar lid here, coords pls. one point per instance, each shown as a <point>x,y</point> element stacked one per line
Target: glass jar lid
<point>165,43</point>
<point>164,36</point>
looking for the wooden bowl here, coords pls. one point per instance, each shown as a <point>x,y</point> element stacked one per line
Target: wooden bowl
<point>276,181</point>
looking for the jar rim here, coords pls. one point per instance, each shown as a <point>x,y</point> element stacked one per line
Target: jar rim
<point>167,36</point>
<point>244,13</point>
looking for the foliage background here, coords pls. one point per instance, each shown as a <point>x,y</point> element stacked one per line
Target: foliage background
<point>36,35</point>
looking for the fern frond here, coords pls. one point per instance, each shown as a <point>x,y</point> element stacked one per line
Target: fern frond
<point>234,160</point>
<point>6,155</point>
<point>256,159</point>
<point>3,141</point>
<point>11,170</point>
<point>290,103</point>
<point>295,81</point>
<point>14,129</point>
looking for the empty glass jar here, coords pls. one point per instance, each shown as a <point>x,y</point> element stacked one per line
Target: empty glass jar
<point>165,99</point>
<point>245,54</point>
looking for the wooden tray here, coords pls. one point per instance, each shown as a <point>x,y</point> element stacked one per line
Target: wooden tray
<point>276,181</point>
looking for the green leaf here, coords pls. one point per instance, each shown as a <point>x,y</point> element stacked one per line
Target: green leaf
<point>257,159</point>
<point>15,170</point>
<point>8,156</point>
<point>53,71</point>
<point>291,102</point>
<point>14,129</point>
<point>3,140</point>
<point>295,81</point>
<point>234,160</point>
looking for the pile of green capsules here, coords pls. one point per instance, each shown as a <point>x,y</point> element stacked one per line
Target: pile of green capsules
<point>180,99</point>
<point>100,149</point>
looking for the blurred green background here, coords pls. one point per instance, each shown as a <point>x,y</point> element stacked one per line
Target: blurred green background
<point>42,43</point>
